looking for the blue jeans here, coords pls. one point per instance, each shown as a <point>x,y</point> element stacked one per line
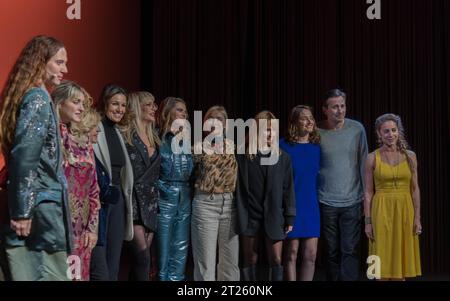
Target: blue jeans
<point>341,229</point>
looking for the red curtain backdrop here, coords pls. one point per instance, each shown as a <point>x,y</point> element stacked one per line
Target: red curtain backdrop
<point>251,55</point>
<point>103,47</point>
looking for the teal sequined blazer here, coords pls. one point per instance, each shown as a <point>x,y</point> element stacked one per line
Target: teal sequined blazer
<point>37,186</point>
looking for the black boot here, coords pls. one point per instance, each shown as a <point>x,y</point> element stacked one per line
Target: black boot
<point>276,273</point>
<point>249,273</point>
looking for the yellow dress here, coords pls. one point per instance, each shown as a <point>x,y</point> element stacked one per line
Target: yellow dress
<point>393,221</point>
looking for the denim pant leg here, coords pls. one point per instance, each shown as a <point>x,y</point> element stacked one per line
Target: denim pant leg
<point>330,233</point>
<point>179,244</point>
<point>205,226</point>
<point>228,267</point>
<point>350,225</point>
<point>168,208</point>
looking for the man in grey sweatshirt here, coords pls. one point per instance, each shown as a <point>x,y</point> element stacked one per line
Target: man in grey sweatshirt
<point>340,186</point>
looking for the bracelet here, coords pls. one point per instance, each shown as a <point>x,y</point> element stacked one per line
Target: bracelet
<point>368,220</point>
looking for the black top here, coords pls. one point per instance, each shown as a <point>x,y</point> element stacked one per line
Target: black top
<point>115,150</point>
<point>278,201</point>
<point>257,175</point>
<point>154,156</point>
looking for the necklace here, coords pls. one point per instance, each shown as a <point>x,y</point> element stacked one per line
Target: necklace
<point>394,170</point>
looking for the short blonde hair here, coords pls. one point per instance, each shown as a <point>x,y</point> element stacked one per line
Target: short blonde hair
<point>219,109</point>
<point>68,90</point>
<point>90,119</point>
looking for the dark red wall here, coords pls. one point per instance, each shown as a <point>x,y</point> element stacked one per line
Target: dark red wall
<point>103,47</point>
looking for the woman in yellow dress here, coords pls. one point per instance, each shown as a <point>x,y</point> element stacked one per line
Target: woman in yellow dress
<point>392,202</point>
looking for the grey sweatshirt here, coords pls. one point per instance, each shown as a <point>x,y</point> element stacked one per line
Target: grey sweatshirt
<point>343,153</point>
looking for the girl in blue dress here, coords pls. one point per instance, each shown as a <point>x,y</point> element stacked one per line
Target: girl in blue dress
<point>302,144</point>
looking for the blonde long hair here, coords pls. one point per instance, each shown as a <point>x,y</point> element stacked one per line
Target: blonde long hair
<point>27,72</point>
<point>135,124</point>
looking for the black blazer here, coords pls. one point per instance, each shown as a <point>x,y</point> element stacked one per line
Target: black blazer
<point>145,192</point>
<point>279,203</point>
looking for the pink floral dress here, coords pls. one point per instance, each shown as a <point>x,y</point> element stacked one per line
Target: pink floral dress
<point>79,168</point>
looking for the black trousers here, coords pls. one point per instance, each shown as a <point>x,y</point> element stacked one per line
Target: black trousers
<point>114,237</point>
<point>99,266</point>
<point>341,230</point>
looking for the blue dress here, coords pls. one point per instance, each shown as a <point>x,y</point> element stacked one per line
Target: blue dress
<point>305,164</point>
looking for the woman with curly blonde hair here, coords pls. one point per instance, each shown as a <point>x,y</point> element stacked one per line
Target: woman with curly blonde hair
<point>392,202</point>
<point>29,136</point>
<point>108,195</point>
<point>79,167</point>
